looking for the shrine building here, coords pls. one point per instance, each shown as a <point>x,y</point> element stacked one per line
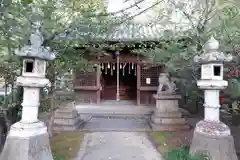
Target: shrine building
<point>121,75</point>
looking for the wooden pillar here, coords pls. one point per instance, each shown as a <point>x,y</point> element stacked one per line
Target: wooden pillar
<point>98,84</point>
<point>138,83</point>
<point>118,95</point>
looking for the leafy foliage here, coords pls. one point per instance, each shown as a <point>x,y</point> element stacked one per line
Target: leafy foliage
<point>218,18</point>
<point>183,154</point>
<point>71,23</point>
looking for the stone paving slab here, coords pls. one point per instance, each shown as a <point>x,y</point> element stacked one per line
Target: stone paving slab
<point>117,146</point>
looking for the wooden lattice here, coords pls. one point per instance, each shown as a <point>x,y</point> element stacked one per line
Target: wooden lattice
<point>152,73</point>
<point>85,79</point>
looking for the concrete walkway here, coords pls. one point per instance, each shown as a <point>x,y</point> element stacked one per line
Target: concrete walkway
<point>117,146</point>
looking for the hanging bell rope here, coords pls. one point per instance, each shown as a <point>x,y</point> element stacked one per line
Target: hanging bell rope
<point>105,67</point>
<point>135,73</point>
<point>124,68</point>
<point>114,66</point>
<point>111,66</point>
<point>129,68</point>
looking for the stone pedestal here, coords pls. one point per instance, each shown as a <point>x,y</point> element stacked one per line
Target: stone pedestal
<point>27,142</point>
<point>67,119</point>
<point>213,140</point>
<point>167,116</point>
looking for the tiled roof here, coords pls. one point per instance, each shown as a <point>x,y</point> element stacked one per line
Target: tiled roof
<point>171,23</point>
<point>127,32</point>
<point>141,32</point>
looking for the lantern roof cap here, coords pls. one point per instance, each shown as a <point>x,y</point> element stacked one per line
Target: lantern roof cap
<point>36,50</point>
<point>211,53</point>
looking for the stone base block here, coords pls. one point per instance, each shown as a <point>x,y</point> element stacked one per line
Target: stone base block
<point>176,114</point>
<point>63,127</point>
<point>27,148</point>
<point>168,121</point>
<point>169,128</point>
<point>217,147</point>
<point>177,120</point>
<point>63,114</point>
<point>67,119</point>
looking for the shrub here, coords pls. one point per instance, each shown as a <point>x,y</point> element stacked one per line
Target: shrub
<point>182,154</point>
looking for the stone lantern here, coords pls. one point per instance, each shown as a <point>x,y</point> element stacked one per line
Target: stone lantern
<point>211,136</point>
<point>28,138</point>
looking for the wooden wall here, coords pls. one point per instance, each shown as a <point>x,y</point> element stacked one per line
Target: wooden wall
<point>145,91</point>
<point>88,88</point>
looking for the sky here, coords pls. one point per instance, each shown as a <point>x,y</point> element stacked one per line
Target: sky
<point>172,16</point>
<point>116,5</point>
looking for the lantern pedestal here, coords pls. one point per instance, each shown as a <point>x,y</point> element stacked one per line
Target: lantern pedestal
<point>27,142</point>
<point>214,140</point>
<point>28,139</point>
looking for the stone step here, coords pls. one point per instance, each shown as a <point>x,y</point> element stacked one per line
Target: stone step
<point>168,114</point>
<point>168,121</point>
<point>167,127</point>
<point>114,110</point>
<point>62,121</point>
<point>115,129</point>
<point>129,116</point>
<point>58,127</point>
<point>138,116</point>
<point>65,110</point>
<point>66,115</point>
<point>115,124</point>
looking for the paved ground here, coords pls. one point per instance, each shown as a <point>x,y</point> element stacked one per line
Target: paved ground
<point>117,146</point>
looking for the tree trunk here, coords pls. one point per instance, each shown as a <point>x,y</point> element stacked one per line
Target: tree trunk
<point>5,110</point>
<point>52,110</point>
<point>52,100</point>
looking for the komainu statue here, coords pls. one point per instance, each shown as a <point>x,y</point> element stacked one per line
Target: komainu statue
<point>166,85</point>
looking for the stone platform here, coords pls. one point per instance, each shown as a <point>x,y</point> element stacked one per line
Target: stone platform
<point>167,116</point>
<point>67,119</point>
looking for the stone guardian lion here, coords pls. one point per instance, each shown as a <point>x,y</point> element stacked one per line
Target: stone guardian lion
<point>166,85</point>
